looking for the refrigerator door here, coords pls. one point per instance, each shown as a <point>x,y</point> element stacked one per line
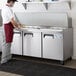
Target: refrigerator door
<point>53,46</point>
<point>17,44</point>
<point>32,44</point>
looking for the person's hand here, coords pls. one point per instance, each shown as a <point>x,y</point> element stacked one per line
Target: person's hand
<point>17,27</point>
<point>20,25</point>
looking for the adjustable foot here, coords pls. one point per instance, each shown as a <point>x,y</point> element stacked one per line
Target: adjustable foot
<point>62,62</point>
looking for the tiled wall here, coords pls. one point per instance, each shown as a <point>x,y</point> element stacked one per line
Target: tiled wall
<point>2,3</point>
<point>39,7</point>
<point>0,19</point>
<point>73,15</point>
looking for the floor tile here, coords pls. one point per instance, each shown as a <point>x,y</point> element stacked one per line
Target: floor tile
<point>71,64</point>
<point>3,73</point>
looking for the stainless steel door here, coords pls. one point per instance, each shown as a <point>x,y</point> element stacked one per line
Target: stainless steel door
<point>53,46</point>
<point>17,44</point>
<point>32,44</point>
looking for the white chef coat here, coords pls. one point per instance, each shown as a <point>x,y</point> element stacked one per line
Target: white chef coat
<point>7,14</point>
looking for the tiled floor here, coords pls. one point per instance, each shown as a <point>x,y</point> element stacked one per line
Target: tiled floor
<point>8,74</point>
<point>69,63</point>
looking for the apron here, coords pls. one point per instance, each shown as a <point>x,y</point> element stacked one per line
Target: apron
<point>8,28</point>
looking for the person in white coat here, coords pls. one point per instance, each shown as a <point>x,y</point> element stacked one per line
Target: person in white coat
<point>9,24</point>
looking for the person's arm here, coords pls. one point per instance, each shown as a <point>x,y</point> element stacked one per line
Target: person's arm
<point>14,23</point>
<point>10,16</point>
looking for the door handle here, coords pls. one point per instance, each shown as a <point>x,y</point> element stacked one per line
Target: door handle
<point>51,35</point>
<point>28,34</point>
<point>17,33</point>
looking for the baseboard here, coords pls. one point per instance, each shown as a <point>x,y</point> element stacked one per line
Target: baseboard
<point>74,57</point>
